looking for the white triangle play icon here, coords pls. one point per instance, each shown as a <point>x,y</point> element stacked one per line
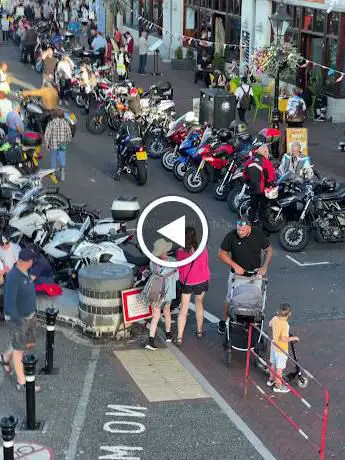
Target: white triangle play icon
<point>175,231</point>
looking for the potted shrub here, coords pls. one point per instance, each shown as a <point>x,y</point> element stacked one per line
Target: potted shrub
<point>177,63</point>
<point>189,60</point>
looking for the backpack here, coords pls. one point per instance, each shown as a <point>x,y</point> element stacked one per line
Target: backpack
<point>245,100</point>
<point>154,290</point>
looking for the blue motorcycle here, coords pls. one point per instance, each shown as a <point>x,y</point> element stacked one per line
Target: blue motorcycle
<point>187,150</point>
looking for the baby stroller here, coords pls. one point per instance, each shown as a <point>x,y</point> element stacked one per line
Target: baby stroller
<point>247,305</point>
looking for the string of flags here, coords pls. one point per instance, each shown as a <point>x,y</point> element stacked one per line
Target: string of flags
<point>190,40</point>
<point>330,72</point>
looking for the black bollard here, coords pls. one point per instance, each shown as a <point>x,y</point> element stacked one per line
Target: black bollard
<point>30,362</point>
<point>51,315</point>
<point>8,427</point>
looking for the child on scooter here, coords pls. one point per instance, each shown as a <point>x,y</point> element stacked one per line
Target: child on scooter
<point>280,334</point>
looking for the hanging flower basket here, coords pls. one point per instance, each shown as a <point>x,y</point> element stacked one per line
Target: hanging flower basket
<point>284,57</point>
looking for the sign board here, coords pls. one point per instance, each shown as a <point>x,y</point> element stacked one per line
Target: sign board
<point>134,306</point>
<point>91,15</point>
<point>297,135</point>
<point>31,451</point>
<point>155,45</point>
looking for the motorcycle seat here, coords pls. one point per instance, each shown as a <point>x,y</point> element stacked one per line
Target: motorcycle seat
<point>337,193</point>
<point>136,141</point>
<point>123,198</point>
<point>133,255</point>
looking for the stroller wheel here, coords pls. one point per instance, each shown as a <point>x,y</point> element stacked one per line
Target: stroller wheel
<point>302,381</point>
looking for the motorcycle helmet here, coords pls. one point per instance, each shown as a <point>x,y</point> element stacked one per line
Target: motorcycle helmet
<point>128,116</point>
<point>271,193</point>
<point>329,184</point>
<point>242,128</point>
<point>133,92</point>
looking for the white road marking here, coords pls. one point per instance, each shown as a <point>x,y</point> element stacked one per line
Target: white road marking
<point>209,316</point>
<point>80,413</point>
<point>224,406</point>
<point>306,264</point>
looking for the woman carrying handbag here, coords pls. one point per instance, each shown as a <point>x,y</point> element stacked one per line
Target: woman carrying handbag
<point>194,278</point>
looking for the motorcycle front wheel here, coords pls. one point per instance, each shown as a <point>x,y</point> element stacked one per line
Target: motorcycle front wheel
<point>96,123</point>
<point>220,193</point>
<point>114,123</point>
<point>234,199</point>
<point>156,144</point>
<point>168,159</point>
<point>193,182</point>
<point>179,170</point>
<point>139,169</point>
<point>79,100</point>
<point>294,236</point>
<point>273,223</point>
<point>57,200</point>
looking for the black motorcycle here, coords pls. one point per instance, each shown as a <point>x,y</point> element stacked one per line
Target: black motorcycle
<point>131,152</point>
<point>318,210</point>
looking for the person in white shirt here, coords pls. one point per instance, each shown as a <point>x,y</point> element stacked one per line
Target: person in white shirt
<point>64,71</point>
<point>143,48</point>
<point>5,26</point>
<point>244,95</point>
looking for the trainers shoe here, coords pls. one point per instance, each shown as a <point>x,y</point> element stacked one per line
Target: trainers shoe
<point>221,327</point>
<point>151,344</point>
<point>22,388</point>
<point>281,389</point>
<point>168,337</point>
<point>270,383</point>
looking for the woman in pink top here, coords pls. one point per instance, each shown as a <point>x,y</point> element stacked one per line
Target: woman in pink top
<point>194,278</point>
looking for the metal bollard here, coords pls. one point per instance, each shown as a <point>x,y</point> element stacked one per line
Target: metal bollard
<point>8,427</point>
<point>30,362</point>
<point>51,315</point>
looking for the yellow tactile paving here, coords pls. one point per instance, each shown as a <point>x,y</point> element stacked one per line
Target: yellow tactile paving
<point>159,375</point>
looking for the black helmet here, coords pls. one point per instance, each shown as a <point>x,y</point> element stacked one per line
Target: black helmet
<point>329,184</point>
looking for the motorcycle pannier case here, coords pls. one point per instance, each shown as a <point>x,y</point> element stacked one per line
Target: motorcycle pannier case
<point>32,139</point>
<point>125,209</point>
<point>12,156</point>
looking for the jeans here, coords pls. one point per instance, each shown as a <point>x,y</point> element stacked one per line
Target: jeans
<point>65,86</point>
<point>142,63</point>
<point>5,35</point>
<point>54,155</point>
<point>30,51</point>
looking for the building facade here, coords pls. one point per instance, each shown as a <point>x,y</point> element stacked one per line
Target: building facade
<point>317,30</point>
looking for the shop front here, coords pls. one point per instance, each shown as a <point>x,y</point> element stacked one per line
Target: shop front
<point>218,21</point>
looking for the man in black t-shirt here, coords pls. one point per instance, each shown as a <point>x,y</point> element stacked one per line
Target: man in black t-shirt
<point>241,250</point>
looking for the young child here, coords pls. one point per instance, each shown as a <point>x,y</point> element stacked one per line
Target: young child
<point>161,249</point>
<point>280,333</point>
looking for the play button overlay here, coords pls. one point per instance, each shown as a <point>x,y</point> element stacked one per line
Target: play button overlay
<point>175,231</point>
<point>168,217</point>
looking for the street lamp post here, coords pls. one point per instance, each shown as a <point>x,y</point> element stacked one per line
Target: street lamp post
<point>280,22</point>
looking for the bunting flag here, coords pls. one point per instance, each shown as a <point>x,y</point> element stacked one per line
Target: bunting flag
<point>330,72</point>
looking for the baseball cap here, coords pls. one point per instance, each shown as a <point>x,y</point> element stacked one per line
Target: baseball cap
<point>242,222</point>
<point>26,254</point>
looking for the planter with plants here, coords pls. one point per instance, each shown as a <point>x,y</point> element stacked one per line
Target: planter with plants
<point>183,64</point>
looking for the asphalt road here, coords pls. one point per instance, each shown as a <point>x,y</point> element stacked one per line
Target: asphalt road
<point>312,282</point>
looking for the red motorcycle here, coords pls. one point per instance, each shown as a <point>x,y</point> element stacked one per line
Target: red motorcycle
<point>215,158</point>
<point>177,133</point>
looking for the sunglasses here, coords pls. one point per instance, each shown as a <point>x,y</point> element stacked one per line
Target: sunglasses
<point>241,223</point>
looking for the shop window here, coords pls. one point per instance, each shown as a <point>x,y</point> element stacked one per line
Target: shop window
<point>308,18</point>
<point>332,49</point>
<point>190,24</point>
<point>297,17</point>
<point>219,5</point>
<point>237,7</point>
<point>333,20</point>
<point>319,20</point>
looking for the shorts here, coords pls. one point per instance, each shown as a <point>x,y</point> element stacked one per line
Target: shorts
<point>23,334</point>
<point>278,359</point>
<point>196,289</point>
<point>239,281</point>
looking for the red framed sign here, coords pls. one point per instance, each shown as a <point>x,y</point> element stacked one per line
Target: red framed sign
<point>134,306</point>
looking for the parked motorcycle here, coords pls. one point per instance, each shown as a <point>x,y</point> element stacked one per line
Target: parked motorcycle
<point>132,153</point>
<point>215,157</point>
<point>177,133</point>
<point>316,210</point>
<point>187,151</point>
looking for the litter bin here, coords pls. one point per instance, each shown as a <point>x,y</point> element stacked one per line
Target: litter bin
<point>217,107</point>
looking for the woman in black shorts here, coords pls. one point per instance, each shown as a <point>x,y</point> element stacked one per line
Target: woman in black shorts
<point>194,278</point>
